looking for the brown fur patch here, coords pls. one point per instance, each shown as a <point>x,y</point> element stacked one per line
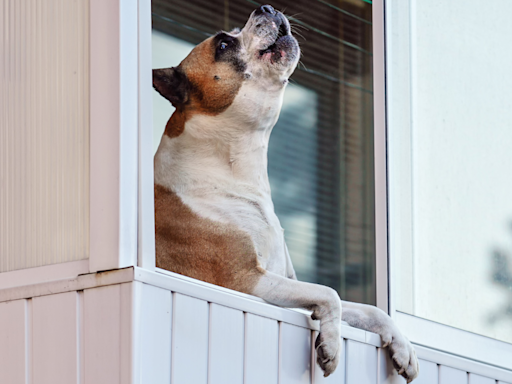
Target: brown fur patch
<point>214,86</point>
<point>201,248</point>
<point>176,124</point>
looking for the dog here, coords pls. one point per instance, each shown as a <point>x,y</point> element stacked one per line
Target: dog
<point>214,217</point>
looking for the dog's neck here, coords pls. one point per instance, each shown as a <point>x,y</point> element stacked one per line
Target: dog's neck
<point>213,152</point>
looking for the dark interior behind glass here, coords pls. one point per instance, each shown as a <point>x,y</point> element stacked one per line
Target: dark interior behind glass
<point>321,150</point>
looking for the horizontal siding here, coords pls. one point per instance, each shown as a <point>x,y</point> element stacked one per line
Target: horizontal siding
<point>138,333</point>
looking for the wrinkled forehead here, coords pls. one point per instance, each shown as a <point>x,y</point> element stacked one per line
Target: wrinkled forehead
<point>220,51</point>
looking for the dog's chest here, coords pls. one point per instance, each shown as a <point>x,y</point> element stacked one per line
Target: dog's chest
<point>249,211</point>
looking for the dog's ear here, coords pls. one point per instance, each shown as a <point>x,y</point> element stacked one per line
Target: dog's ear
<point>172,83</point>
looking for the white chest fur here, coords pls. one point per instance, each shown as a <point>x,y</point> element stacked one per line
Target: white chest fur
<point>222,176</point>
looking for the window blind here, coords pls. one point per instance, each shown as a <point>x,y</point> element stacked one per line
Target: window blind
<point>321,150</point>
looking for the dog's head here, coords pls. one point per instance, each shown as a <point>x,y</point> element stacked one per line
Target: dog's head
<point>239,74</point>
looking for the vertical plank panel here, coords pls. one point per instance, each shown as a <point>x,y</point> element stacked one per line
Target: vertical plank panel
<point>429,373</point>
<point>155,335</point>
<point>189,340</point>
<point>448,375</point>
<point>126,332</point>
<point>387,373</point>
<point>102,322</point>
<point>338,376</point>
<point>294,355</point>
<point>54,337</point>
<point>12,342</point>
<point>477,379</point>
<point>361,363</point>
<point>226,346</point>
<point>261,350</point>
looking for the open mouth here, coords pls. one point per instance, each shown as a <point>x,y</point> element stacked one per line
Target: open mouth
<point>284,30</point>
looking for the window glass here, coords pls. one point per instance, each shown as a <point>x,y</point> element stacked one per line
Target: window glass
<point>321,150</point>
<point>458,268</point>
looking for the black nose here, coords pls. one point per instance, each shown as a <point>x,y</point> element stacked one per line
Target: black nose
<point>266,9</point>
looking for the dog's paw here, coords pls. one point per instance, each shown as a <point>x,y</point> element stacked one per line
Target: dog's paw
<point>403,356</point>
<point>328,351</point>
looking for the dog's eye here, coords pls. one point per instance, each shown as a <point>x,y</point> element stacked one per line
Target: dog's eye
<point>223,45</point>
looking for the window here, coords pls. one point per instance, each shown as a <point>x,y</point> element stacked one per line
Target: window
<point>321,150</point>
<point>450,185</point>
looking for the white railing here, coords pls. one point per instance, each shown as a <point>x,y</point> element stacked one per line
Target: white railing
<point>137,326</point>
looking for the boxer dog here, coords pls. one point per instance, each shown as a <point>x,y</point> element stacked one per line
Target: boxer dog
<point>214,215</point>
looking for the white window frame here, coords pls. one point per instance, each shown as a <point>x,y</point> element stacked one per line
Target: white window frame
<point>393,222</point>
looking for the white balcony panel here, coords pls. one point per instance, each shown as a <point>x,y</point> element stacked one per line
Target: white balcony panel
<point>477,379</point>
<point>54,337</point>
<point>189,340</point>
<point>154,306</point>
<point>44,132</point>
<point>295,354</point>
<point>338,376</point>
<point>261,350</point>
<point>107,334</point>
<point>13,341</point>
<point>429,373</point>
<point>387,373</point>
<point>105,328</point>
<point>361,361</point>
<point>448,375</point>
<point>226,345</point>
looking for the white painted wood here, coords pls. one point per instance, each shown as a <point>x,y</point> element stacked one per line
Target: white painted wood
<point>380,155</point>
<point>154,333</point>
<point>146,243</point>
<point>429,373</point>
<point>387,374</point>
<point>477,379</point>
<point>361,363</point>
<point>448,375</point>
<point>463,364</point>
<point>261,350</point>
<point>106,335</point>
<point>398,114</point>
<point>455,341</point>
<point>54,339</point>
<point>80,283</point>
<point>13,342</point>
<point>43,274</point>
<point>114,134</point>
<point>189,340</point>
<point>294,354</point>
<point>226,345</point>
<point>338,377</point>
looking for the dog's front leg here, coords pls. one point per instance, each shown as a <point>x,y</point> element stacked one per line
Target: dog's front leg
<point>323,301</point>
<point>372,319</point>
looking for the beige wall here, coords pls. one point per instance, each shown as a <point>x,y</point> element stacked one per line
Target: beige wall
<point>44,132</point>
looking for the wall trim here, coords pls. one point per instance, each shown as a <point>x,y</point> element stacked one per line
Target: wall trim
<point>79,283</point>
<point>43,274</point>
